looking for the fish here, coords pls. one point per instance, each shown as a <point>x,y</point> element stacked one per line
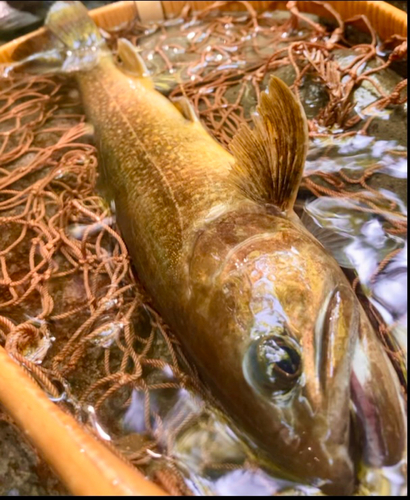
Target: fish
<point>260,307</point>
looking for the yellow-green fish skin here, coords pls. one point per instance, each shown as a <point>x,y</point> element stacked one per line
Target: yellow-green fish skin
<point>159,165</point>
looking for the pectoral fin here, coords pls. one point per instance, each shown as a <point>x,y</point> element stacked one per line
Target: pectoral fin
<point>270,158</point>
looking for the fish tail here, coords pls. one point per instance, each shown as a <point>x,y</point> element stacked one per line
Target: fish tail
<point>71,24</point>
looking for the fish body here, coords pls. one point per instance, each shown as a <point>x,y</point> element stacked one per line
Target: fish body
<point>263,310</point>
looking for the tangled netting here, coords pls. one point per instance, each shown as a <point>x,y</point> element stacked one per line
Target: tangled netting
<point>71,310</point>
<point>63,268</point>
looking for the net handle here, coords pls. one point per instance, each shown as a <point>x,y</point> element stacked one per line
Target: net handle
<point>84,464</point>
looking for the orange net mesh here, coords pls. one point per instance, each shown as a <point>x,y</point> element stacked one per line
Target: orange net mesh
<point>71,311</point>
<point>66,285</point>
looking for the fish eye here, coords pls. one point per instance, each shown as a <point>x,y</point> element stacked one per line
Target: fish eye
<point>273,364</point>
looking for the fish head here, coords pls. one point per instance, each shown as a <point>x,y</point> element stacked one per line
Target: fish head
<point>278,343</point>
<point>284,323</point>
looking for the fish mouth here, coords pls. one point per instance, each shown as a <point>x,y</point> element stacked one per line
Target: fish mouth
<point>375,436</point>
<point>368,412</point>
<point>380,443</point>
<point>366,425</point>
<point>377,402</point>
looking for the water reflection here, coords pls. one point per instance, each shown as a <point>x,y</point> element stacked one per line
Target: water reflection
<point>390,289</point>
<point>364,244</point>
<point>365,241</point>
<point>356,153</point>
<point>246,483</point>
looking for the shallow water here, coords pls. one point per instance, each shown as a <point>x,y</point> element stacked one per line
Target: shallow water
<point>191,434</point>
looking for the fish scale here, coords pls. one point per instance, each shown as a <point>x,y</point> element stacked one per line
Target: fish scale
<point>157,149</point>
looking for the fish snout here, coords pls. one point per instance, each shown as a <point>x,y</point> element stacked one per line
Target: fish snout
<point>320,462</point>
<point>328,366</point>
<point>322,410</point>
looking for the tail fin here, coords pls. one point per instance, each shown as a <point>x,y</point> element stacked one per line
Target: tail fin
<point>71,24</point>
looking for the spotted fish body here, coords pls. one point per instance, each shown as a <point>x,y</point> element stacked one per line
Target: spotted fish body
<point>166,181</point>
<point>265,313</point>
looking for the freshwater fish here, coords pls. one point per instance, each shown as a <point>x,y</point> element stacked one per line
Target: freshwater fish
<point>262,309</point>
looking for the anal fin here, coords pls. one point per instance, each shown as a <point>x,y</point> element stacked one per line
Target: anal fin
<point>270,158</point>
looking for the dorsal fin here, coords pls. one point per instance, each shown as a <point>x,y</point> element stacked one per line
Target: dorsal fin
<point>186,108</point>
<point>270,158</point>
<point>131,59</point>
